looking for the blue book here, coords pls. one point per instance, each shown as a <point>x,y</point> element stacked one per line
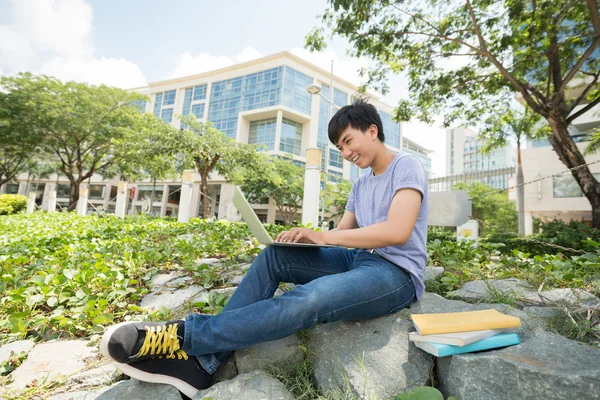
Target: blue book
<point>493,342</point>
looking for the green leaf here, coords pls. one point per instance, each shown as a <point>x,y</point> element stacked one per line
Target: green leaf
<point>103,319</point>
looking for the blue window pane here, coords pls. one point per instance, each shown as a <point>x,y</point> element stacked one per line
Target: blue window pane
<point>158,104</point>
<point>335,158</point>
<point>228,98</point>
<point>291,136</point>
<point>198,110</point>
<point>200,92</point>
<point>169,98</point>
<point>294,90</point>
<point>263,132</point>
<point>391,129</point>
<point>167,115</point>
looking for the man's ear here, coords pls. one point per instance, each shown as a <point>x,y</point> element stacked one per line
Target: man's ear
<point>373,131</point>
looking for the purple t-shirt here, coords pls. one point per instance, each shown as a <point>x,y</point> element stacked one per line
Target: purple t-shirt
<point>370,199</point>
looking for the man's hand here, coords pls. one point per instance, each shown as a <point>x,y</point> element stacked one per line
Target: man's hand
<point>301,235</point>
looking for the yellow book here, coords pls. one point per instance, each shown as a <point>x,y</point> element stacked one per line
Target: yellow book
<point>430,324</point>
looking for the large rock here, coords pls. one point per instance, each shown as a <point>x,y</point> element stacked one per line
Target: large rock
<point>101,375</point>
<point>252,386</point>
<point>80,395</point>
<point>15,348</point>
<point>133,389</point>
<point>521,291</point>
<point>170,298</point>
<point>544,366</point>
<point>432,273</point>
<point>270,356</point>
<point>50,360</point>
<point>367,359</point>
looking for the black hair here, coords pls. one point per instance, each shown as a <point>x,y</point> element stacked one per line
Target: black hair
<point>359,115</point>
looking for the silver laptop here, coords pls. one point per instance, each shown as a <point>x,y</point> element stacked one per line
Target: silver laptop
<point>257,228</point>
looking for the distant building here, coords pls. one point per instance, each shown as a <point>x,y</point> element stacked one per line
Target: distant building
<point>412,147</point>
<point>263,101</point>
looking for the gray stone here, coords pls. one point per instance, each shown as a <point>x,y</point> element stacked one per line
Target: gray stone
<point>161,279</point>
<point>236,279</point>
<point>16,348</point>
<point>80,395</point>
<point>208,261</point>
<point>541,312</point>
<point>367,359</point>
<point>544,366</point>
<point>432,273</point>
<point>228,292</point>
<point>226,371</point>
<point>270,356</point>
<point>170,298</point>
<point>251,386</point>
<point>101,375</point>
<point>524,294</point>
<point>133,389</point>
<point>179,282</point>
<point>49,360</point>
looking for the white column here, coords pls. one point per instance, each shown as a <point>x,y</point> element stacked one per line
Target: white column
<point>278,127</point>
<point>271,211</point>
<point>312,178</point>
<point>164,201</point>
<point>121,205</point>
<point>195,202</point>
<point>185,199</point>
<point>528,223</point>
<point>82,202</point>
<point>51,201</point>
<point>31,203</point>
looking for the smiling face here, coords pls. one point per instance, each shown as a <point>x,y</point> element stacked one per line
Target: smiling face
<point>358,147</point>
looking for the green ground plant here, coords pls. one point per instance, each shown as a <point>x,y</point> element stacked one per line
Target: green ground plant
<point>68,275</point>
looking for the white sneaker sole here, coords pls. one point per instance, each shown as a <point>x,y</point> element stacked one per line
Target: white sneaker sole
<point>182,386</point>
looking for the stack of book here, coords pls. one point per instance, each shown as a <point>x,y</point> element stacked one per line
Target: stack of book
<point>446,334</point>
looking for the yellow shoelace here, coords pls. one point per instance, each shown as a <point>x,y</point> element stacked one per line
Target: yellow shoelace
<point>162,341</point>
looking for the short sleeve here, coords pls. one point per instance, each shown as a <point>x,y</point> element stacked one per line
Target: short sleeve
<point>350,204</point>
<point>409,174</point>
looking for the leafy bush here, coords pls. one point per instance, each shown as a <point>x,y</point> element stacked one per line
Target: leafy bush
<point>442,233</point>
<point>12,203</point>
<point>572,235</point>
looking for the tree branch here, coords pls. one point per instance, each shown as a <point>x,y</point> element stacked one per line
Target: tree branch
<point>579,63</point>
<point>583,110</point>
<point>514,81</point>
<point>593,6</point>
<point>585,92</point>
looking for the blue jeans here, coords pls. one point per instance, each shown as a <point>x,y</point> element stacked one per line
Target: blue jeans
<point>332,284</point>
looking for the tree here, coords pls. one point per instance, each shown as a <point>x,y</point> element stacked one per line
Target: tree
<point>490,206</point>
<point>336,197</point>
<point>19,143</point>
<point>83,126</point>
<point>203,147</point>
<point>151,154</point>
<point>546,51</point>
<point>507,122</point>
<point>280,180</point>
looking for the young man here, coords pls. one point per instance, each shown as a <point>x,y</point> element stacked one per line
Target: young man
<point>385,229</point>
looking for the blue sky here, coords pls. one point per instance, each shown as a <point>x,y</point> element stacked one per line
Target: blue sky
<point>130,43</point>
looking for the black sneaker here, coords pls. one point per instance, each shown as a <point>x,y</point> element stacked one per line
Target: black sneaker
<point>129,342</point>
<point>185,373</point>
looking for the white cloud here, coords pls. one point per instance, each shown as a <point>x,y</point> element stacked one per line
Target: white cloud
<point>54,37</point>
<point>187,64</point>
